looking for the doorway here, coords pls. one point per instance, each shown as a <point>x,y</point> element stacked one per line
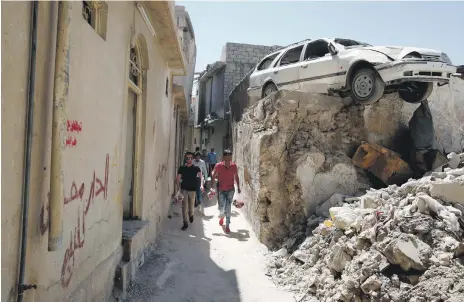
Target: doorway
<point>134,95</point>
<point>130,155</point>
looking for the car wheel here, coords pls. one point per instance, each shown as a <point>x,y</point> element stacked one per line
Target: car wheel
<point>269,89</point>
<point>415,92</point>
<point>366,86</point>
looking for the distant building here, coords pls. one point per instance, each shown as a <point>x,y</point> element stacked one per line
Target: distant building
<point>183,85</point>
<point>214,85</point>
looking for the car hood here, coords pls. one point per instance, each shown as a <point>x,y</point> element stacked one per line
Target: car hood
<point>398,52</point>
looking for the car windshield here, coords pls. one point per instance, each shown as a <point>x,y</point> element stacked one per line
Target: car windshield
<point>350,43</point>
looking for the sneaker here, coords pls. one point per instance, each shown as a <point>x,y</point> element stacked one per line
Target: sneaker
<point>227,230</point>
<point>185,226</point>
<point>221,221</point>
<point>191,219</point>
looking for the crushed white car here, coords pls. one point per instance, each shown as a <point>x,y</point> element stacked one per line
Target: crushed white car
<point>351,68</point>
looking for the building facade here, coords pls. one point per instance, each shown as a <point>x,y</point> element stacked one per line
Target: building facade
<point>214,86</point>
<point>90,141</point>
<point>187,40</point>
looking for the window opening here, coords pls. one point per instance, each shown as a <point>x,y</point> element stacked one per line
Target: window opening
<point>350,43</point>
<point>167,86</point>
<point>316,50</point>
<point>134,69</point>
<point>95,14</point>
<point>292,56</point>
<point>267,62</point>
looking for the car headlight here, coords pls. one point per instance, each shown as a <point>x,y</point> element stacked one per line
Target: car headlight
<point>445,58</point>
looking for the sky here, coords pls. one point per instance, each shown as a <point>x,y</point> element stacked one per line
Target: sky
<point>436,25</point>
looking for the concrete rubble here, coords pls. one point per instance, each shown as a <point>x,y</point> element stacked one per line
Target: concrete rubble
<point>400,243</point>
<point>294,150</point>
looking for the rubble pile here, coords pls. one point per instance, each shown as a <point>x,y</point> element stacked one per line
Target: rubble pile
<point>394,244</point>
<point>294,150</point>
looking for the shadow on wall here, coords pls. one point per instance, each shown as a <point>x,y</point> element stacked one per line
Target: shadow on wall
<point>238,98</point>
<point>167,275</point>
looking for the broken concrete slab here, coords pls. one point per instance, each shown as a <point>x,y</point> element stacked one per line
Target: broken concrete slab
<point>294,149</point>
<point>448,191</point>
<point>334,200</point>
<point>406,245</point>
<point>409,253</point>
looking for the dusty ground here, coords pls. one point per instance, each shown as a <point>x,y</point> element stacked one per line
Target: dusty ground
<point>203,264</point>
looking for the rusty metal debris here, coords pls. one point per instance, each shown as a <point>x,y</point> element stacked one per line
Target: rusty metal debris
<point>383,163</point>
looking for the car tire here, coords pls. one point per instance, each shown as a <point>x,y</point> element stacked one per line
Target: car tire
<point>415,92</point>
<point>367,86</point>
<point>269,89</point>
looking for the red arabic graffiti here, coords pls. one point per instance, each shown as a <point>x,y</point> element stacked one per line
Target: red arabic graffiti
<point>71,141</point>
<point>74,126</point>
<point>97,187</point>
<point>76,243</point>
<point>75,194</point>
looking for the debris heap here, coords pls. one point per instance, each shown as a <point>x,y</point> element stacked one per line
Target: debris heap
<point>393,244</point>
<point>294,150</point>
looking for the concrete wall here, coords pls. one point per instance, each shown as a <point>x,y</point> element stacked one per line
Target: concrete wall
<point>216,139</point>
<point>238,98</point>
<point>98,92</point>
<point>190,51</point>
<point>447,106</point>
<point>240,59</point>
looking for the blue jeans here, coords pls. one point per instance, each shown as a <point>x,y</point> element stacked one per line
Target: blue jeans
<point>225,204</point>
<point>199,194</point>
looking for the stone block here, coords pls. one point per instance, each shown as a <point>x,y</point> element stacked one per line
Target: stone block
<point>133,239</point>
<point>450,192</point>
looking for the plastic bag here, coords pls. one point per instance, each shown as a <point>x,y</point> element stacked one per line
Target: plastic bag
<point>343,217</point>
<point>210,194</point>
<point>179,197</point>
<point>237,200</point>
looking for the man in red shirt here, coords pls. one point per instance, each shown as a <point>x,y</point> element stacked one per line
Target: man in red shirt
<point>226,173</point>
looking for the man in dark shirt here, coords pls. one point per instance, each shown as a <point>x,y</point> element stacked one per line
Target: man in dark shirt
<point>187,182</point>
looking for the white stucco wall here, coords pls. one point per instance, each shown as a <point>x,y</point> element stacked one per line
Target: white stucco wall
<point>83,268</point>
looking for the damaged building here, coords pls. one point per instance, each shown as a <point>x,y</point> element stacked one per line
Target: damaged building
<point>309,197</point>
<point>294,150</point>
<point>213,89</point>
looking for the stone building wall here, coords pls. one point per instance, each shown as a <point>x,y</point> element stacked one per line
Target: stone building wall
<point>240,59</point>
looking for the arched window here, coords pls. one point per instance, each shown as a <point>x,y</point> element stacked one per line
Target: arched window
<point>135,70</point>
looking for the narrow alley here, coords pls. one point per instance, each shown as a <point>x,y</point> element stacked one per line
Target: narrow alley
<point>338,159</point>
<point>220,267</point>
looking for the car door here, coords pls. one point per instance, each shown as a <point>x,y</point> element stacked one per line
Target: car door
<point>318,71</point>
<point>263,71</point>
<point>285,74</point>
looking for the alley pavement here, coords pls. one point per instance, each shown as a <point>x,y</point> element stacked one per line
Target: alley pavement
<point>203,264</point>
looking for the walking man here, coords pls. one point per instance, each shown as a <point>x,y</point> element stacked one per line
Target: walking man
<point>187,182</point>
<point>212,160</point>
<point>198,162</point>
<point>226,173</point>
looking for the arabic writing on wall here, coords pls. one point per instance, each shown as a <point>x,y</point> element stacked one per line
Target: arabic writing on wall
<point>72,126</point>
<point>77,238</point>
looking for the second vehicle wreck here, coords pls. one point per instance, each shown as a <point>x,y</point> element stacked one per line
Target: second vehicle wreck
<point>349,67</point>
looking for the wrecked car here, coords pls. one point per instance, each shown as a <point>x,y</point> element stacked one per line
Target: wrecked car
<point>351,68</point>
